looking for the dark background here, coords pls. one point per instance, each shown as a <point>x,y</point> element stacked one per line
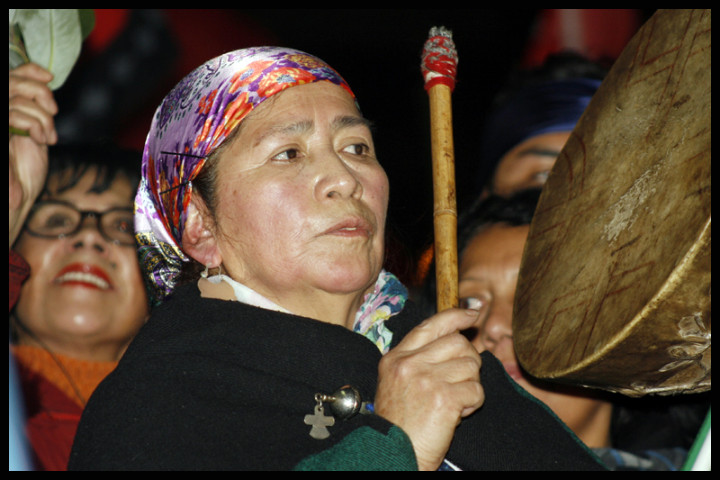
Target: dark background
<point>134,57</point>
<point>379,54</point>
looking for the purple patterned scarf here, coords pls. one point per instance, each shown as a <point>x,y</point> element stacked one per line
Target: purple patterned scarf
<point>191,122</point>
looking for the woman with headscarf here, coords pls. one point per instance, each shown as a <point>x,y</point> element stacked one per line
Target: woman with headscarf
<point>279,341</point>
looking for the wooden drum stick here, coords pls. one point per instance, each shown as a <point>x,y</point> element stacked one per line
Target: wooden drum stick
<point>439,67</point>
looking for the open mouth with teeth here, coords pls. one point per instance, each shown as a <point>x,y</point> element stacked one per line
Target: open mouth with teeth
<point>83,279</point>
<point>84,276</point>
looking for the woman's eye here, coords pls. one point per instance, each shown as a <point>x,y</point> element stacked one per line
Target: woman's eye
<point>58,220</point>
<point>124,225</point>
<point>287,155</point>
<point>541,177</point>
<point>357,149</point>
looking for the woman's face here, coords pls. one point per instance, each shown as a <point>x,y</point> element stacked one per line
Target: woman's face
<point>85,296</point>
<point>488,270</point>
<point>302,199</point>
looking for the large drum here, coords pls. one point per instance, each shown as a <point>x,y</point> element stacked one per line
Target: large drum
<point>614,288</point>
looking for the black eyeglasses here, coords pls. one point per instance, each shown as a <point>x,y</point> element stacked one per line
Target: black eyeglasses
<point>58,219</point>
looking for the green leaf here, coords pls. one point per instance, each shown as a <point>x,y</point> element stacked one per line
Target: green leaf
<point>17,49</point>
<point>87,21</point>
<point>52,39</point>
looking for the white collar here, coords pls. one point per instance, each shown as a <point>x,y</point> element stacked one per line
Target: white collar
<point>246,294</point>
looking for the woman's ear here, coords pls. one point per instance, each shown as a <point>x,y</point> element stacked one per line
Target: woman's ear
<point>198,239</point>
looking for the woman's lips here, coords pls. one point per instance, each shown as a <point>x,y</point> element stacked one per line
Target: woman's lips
<point>514,371</point>
<point>352,227</point>
<point>84,275</point>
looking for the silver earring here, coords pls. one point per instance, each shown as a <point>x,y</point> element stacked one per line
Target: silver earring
<point>216,271</point>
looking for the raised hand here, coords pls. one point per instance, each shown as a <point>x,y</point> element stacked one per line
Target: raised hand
<point>429,382</point>
<point>32,129</point>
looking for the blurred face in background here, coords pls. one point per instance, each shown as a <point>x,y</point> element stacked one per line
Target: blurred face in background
<point>488,272</point>
<point>85,296</point>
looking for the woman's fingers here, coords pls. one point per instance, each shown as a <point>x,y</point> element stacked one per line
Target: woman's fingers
<point>439,325</point>
<point>32,129</point>
<point>26,115</point>
<point>429,381</point>
<point>30,80</point>
<point>31,102</point>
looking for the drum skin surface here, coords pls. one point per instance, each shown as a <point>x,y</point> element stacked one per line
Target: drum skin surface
<point>614,287</point>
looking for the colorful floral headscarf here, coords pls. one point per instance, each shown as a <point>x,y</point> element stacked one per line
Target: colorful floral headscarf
<point>190,123</point>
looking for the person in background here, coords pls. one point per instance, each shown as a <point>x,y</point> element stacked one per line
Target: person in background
<point>491,240</point>
<point>77,297</point>
<point>530,121</point>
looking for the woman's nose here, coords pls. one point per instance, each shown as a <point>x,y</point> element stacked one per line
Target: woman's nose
<point>498,325</point>
<point>89,236</point>
<point>336,179</point>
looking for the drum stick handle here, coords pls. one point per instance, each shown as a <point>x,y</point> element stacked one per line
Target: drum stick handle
<point>439,66</point>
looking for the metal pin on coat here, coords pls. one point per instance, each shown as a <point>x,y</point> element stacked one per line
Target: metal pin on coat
<point>439,67</point>
<point>345,403</point>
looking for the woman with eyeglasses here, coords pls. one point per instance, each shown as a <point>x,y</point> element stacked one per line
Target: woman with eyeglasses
<point>83,298</point>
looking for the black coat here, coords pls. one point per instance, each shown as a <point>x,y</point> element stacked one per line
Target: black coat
<point>211,385</point>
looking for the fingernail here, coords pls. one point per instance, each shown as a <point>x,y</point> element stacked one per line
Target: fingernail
<point>475,305</point>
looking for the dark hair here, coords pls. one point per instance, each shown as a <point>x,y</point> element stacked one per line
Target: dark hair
<point>69,163</point>
<point>515,210</point>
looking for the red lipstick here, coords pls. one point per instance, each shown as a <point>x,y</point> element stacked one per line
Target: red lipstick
<point>84,275</point>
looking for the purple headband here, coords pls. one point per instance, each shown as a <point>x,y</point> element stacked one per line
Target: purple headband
<point>554,106</point>
<point>191,122</point>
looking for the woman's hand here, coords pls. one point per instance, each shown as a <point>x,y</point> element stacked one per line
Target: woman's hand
<point>429,382</point>
<point>32,108</point>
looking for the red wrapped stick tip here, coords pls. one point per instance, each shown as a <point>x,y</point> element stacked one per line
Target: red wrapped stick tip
<point>439,59</point>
